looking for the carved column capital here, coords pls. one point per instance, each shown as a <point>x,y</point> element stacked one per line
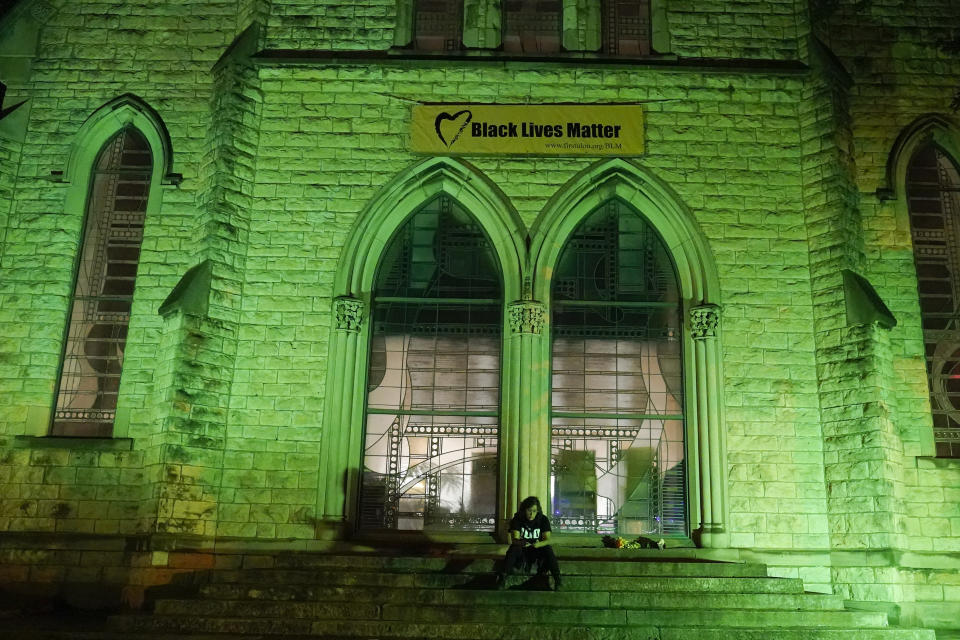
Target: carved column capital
<point>348,313</point>
<point>704,321</point>
<point>527,317</point>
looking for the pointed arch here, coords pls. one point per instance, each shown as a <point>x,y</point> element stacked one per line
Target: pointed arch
<point>406,193</point>
<point>354,283</point>
<point>125,130</point>
<point>640,189</point>
<point>103,124</point>
<point>124,111</point>
<point>932,128</point>
<point>922,174</point>
<point>698,282</point>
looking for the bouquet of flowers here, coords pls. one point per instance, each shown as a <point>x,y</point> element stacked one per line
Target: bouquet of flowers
<point>641,542</point>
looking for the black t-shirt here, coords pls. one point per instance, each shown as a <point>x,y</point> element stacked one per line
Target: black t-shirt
<point>530,529</point>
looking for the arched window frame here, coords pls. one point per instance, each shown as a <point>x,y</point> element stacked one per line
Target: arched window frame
<point>930,129</point>
<point>342,446</point>
<point>99,129</point>
<point>700,318</point>
<point>431,393</point>
<point>630,383</point>
<point>527,262</point>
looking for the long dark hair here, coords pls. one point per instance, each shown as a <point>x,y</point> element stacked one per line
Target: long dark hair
<point>529,502</point>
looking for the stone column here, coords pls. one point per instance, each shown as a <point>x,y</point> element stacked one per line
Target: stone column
<point>481,24</point>
<point>339,457</point>
<point>525,428</point>
<point>582,23</point>
<point>403,29</point>
<point>711,455</point>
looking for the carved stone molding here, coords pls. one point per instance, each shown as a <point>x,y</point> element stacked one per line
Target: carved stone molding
<point>527,317</point>
<point>41,11</point>
<point>349,313</point>
<point>704,321</point>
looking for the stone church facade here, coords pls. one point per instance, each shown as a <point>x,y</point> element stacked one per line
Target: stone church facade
<point>239,310</point>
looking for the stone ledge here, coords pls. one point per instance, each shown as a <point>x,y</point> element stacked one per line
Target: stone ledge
<point>60,541</point>
<point>930,462</point>
<point>69,442</point>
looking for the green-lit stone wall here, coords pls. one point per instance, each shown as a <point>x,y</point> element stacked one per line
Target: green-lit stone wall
<point>362,25</point>
<point>757,29</point>
<point>754,29</point>
<point>881,494</point>
<point>9,154</point>
<point>703,129</point>
<point>223,393</point>
<point>89,54</point>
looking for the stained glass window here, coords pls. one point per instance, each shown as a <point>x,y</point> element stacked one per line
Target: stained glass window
<point>626,27</point>
<point>432,428</point>
<point>531,26</point>
<point>103,291</point>
<point>617,426</point>
<point>438,25</point>
<point>933,196</point>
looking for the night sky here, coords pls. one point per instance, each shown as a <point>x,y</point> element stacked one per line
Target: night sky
<point>5,6</point>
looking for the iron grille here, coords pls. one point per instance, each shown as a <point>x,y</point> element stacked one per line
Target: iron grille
<point>626,27</point>
<point>432,428</point>
<point>532,26</point>
<point>933,195</point>
<point>438,25</point>
<point>103,291</point>
<point>617,426</point>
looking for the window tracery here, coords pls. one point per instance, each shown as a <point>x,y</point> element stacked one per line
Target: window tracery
<point>933,199</point>
<point>103,291</point>
<point>432,427</point>
<point>438,25</point>
<point>617,420</point>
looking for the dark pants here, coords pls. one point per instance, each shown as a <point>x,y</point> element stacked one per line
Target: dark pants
<point>544,558</point>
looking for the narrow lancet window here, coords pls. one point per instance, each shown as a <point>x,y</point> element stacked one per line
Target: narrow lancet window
<point>103,291</point>
<point>617,424</point>
<point>433,387</point>
<point>532,26</point>
<point>933,195</point>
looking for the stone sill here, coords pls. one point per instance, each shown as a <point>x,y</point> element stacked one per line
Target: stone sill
<point>62,541</point>
<point>349,56</point>
<point>930,462</point>
<point>68,442</point>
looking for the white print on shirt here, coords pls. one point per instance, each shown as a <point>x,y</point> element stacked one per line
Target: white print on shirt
<point>530,534</point>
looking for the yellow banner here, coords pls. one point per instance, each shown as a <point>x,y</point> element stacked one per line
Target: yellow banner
<point>551,129</point>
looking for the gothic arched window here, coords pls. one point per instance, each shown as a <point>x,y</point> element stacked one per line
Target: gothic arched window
<point>431,438</point>
<point>617,425</point>
<point>933,197</point>
<point>103,290</point>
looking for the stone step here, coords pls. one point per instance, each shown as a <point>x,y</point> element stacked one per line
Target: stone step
<point>530,613</point>
<point>471,565</point>
<point>798,602</point>
<point>270,577</point>
<point>273,627</point>
<point>123,635</point>
<point>633,617</point>
<point>481,597</point>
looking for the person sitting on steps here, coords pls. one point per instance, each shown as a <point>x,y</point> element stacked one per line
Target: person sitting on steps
<point>530,543</point>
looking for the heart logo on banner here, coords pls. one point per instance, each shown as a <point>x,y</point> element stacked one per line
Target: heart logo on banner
<point>449,127</point>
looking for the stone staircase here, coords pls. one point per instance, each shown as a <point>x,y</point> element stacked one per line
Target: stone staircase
<point>440,598</point>
<point>655,597</point>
